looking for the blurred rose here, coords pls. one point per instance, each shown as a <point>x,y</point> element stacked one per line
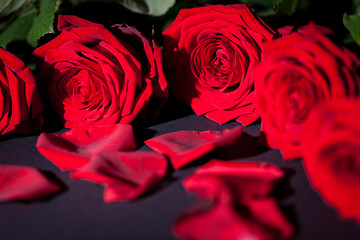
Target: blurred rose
<point>20,105</point>
<point>96,77</point>
<point>210,53</point>
<point>331,150</point>
<point>297,72</point>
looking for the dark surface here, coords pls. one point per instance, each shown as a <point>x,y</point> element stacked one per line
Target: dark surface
<point>80,213</point>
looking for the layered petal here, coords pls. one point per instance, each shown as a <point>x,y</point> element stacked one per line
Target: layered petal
<point>210,53</point>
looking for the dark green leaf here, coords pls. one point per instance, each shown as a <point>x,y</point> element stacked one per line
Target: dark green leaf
<point>263,3</point>
<point>352,23</point>
<point>18,29</point>
<point>43,23</point>
<point>356,6</point>
<point>286,7</point>
<point>9,6</point>
<point>148,7</point>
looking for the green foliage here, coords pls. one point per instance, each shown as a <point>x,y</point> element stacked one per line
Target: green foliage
<point>18,29</point>
<point>356,5</point>
<point>352,23</point>
<point>29,23</point>
<point>9,6</point>
<point>43,22</point>
<point>148,7</point>
<point>263,3</point>
<point>286,7</point>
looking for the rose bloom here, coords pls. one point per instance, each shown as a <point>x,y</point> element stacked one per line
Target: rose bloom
<point>210,53</point>
<point>331,154</point>
<point>20,104</point>
<point>97,77</point>
<point>295,73</point>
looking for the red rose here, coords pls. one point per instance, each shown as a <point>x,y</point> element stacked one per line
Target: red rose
<point>96,77</point>
<point>20,104</point>
<point>209,54</point>
<point>295,73</point>
<point>331,154</point>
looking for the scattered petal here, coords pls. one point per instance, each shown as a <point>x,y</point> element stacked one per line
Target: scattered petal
<point>244,180</point>
<point>183,147</point>
<point>73,149</point>
<point>241,207</point>
<point>125,175</point>
<point>222,221</point>
<point>24,183</point>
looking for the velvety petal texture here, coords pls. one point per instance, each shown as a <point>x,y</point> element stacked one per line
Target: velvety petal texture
<point>331,154</point>
<point>20,104</point>
<point>125,175</point>
<point>210,53</point>
<point>96,76</point>
<point>295,73</point>
<point>22,183</point>
<point>241,207</point>
<point>183,147</point>
<point>74,148</point>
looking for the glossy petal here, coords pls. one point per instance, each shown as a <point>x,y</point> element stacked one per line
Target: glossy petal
<point>183,147</point>
<point>74,148</point>
<point>24,183</point>
<point>125,175</point>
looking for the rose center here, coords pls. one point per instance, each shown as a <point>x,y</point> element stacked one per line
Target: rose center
<point>215,62</point>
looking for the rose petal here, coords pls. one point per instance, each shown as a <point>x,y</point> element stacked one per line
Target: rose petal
<point>125,175</point>
<point>241,206</point>
<point>24,183</point>
<point>263,221</point>
<point>183,147</point>
<point>73,149</point>
<point>244,180</point>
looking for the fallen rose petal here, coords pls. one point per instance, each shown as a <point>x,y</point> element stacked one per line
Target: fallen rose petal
<point>222,221</point>
<point>183,147</point>
<point>73,149</point>
<point>126,175</point>
<point>24,183</point>
<point>266,213</point>
<point>241,207</point>
<point>245,181</point>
